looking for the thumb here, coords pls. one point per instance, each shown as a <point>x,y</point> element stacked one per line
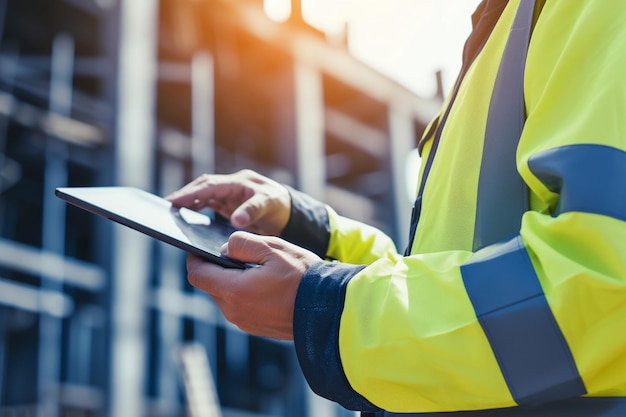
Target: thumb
<point>246,247</point>
<point>249,211</point>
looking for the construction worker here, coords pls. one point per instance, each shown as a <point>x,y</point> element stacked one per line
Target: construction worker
<point>510,299</point>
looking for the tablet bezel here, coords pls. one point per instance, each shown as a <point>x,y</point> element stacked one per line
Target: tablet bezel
<point>72,195</point>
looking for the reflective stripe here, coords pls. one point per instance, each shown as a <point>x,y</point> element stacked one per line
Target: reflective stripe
<point>502,194</point>
<point>576,407</point>
<point>533,355</point>
<point>500,280</point>
<point>588,178</point>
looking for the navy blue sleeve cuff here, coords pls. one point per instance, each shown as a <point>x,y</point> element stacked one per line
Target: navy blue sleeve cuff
<point>317,314</point>
<point>308,224</point>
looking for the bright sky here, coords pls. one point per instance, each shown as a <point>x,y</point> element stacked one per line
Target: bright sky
<point>408,40</point>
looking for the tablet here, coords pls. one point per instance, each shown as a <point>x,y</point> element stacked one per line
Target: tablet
<point>186,229</point>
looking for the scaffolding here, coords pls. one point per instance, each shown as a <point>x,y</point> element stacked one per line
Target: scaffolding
<point>95,320</point>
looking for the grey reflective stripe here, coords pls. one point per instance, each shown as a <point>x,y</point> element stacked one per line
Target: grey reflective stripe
<point>510,305</point>
<point>502,195</point>
<point>588,178</point>
<point>500,280</point>
<point>576,407</point>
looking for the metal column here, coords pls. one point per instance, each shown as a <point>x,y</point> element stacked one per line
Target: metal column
<point>311,168</point>
<point>203,114</point>
<point>310,138</point>
<point>203,160</point>
<point>402,141</point>
<point>135,148</point>
<point>53,228</point>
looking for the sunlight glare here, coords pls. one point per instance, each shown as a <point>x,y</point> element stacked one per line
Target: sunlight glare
<point>277,10</point>
<point>407,40</point>
<point>410,40</point>
<point>329,16</point>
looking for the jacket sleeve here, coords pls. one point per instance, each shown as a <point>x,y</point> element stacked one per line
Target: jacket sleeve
<point>534,318</point>
<point>317,227</point>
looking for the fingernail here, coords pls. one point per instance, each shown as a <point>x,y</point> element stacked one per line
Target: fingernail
<point>240,220</point>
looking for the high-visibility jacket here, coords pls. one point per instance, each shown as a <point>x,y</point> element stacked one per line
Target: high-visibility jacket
<point>533,324</point>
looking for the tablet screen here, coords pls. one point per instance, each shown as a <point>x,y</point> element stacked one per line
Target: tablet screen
<point>192,231</point>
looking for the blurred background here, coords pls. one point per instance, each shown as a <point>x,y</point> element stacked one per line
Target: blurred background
<point>327,96</point>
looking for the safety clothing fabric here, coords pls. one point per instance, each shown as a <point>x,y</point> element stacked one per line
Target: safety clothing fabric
<point>535,318</point>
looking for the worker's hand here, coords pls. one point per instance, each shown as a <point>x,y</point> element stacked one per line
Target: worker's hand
<point>259,300</point>
<point>250,200</point>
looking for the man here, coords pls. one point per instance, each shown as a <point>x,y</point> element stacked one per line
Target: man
<point>511,297</point>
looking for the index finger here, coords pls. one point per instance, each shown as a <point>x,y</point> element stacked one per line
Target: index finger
<point>200,192</point>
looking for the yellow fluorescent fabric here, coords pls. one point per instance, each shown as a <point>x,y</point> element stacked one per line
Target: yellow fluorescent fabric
<point>454,175</point>
<point>419,332</point>
<point>576,93</point>
<point>575,86</point>
<point>410,320</point>
<point>356,243</point>
<point>585,283</point>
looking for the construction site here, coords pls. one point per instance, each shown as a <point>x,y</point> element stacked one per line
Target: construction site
<point>99,320</point>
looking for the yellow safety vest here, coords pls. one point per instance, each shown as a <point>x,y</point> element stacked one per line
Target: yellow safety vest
<point>534,317</point>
